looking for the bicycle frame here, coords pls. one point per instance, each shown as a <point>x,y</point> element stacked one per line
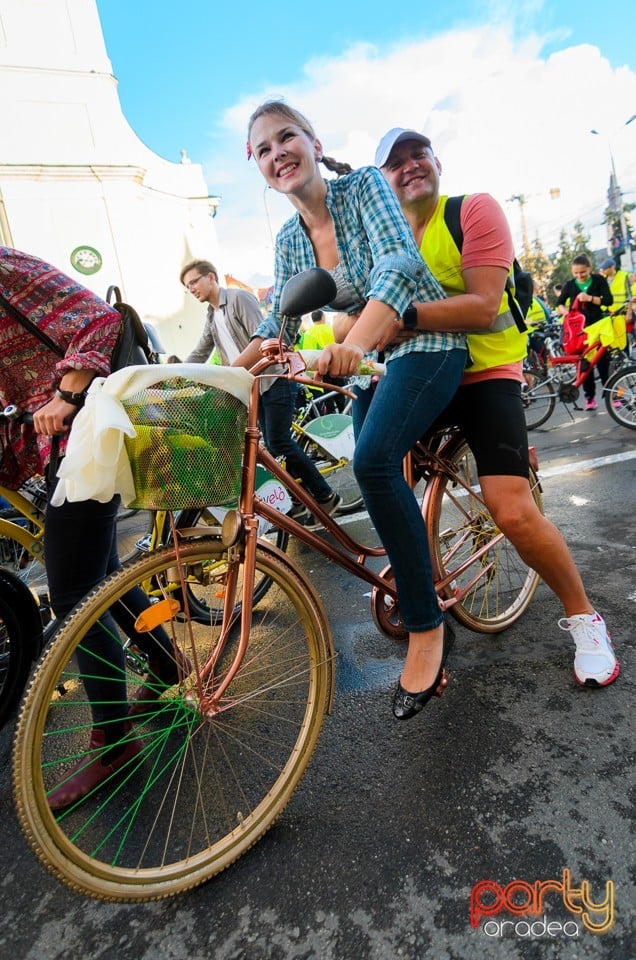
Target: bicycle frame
<point>240,533</point>
<point>582,371</point>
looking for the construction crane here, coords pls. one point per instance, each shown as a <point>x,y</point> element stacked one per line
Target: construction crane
<point>522,199</point>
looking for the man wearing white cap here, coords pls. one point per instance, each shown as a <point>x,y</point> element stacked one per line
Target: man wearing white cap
<point>488,404</point>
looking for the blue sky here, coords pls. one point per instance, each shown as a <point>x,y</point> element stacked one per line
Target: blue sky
<point>189,75</point>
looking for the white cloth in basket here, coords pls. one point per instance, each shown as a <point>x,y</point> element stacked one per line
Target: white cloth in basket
<point>96,465</point>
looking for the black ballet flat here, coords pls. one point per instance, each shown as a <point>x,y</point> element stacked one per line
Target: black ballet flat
<point>405,704</point>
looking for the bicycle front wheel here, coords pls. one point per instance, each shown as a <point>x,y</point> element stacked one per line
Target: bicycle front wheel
<point>204,782</point>
<point>496,587</point>
<point>539,401</point>
<point>620,397</point>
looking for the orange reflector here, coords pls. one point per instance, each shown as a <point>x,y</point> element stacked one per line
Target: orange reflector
<point>156,614</point>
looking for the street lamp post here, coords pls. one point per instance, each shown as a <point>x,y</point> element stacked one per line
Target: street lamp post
<point>619,195</point>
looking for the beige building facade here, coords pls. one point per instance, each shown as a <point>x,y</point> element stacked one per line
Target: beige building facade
<point>78,187</point>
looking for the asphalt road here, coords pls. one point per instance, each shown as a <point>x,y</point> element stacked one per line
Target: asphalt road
<point>516,774</point>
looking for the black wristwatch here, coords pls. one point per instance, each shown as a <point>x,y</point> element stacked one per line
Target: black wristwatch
<point>77,399</point>
<point>409,317</point>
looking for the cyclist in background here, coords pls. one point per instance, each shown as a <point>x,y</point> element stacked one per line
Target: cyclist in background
<point>593,293</point>
<point>232,319</point>
<point>621,289</point>
<point>488,405</point>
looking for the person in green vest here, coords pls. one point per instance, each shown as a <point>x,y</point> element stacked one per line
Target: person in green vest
<point>488,404</point>
<point>319,333</point>
<point>317,337</point>
<point>620,285</point>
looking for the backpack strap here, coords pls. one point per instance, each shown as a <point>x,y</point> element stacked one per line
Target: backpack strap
<point>452,219</point>
<point>28,324</point>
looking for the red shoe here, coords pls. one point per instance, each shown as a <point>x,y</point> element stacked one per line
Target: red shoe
<point>89,772</point>
<point>149,692</point>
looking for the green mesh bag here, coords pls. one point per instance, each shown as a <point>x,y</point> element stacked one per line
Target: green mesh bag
<point>188,447</point>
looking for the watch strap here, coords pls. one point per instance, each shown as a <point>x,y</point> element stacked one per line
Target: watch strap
<point>76,399</point>
<point>409,317</point>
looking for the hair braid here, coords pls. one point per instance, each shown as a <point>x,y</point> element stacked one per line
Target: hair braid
<point>336,166</point>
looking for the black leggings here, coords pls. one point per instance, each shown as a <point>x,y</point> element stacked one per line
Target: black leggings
<point>80,550</point>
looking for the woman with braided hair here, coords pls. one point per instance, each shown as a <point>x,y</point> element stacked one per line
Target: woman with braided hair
<point>353,227</point>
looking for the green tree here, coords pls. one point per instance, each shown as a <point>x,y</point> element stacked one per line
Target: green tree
<point>538,264</point>
<point>569,248</point>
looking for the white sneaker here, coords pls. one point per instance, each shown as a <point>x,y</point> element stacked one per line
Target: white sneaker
<point>595,664</point>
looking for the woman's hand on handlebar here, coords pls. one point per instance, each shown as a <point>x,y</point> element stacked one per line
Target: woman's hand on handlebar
<point>54,417</point>
<point>340,359</point>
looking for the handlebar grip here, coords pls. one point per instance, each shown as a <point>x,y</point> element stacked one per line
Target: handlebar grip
<point>11,412</point>
<point>366,368</point>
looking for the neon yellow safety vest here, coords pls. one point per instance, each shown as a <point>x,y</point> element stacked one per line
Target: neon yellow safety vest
<point>620,290</point>
<point>490,348</point>
<point>535,315</point>
<point>317,337</point>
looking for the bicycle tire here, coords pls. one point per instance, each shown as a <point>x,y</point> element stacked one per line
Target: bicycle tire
<point>621,389</point>
<point>16,658</point>
<point>338,474</point>
<point>539,402</point>
<point>203,609</point>
<point>206,785</point>
<point>457,525</point>
<point>20,640</point>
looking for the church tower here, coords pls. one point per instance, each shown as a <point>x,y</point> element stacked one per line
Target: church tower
<point>77,186</point>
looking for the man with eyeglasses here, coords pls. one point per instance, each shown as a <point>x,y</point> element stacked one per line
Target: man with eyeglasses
<point>231,322</point>
<point>233,315</point>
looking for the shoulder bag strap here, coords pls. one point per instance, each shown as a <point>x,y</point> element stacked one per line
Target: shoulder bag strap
<point>30,326</point>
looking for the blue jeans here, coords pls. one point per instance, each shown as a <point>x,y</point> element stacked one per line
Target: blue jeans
<point>360,407</point>
<point>80,551</point>
<point>278,405</point>
<point>414,391</point>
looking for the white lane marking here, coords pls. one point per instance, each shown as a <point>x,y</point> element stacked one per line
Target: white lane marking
<point>561,470</point>
<point>579,465</point>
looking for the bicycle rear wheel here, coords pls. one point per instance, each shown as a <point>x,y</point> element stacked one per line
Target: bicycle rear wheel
<point>539,401</point>
<point>620,397</point>
<point>458,526</point>
<point>208,781</point>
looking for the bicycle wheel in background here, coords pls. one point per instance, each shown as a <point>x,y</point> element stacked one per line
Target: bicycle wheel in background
<point>539,401</point>
<point>28,564</point>
<point>20,640</point>
<point>329,442</point>
<point>206,606</point>
<point>459,525</point>
<point>206,779</point>
<point>620,397</point>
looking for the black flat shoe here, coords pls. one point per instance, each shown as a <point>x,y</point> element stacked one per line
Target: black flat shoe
<point>405,704</point>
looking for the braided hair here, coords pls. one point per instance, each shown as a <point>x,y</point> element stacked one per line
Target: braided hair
<point>281,109</point>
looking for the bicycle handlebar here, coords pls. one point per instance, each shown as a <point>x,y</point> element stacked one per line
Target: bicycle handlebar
<point>11,412</point>
<point>366,368</point>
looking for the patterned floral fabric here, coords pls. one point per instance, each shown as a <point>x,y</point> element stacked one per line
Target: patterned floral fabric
<point>77,320</point>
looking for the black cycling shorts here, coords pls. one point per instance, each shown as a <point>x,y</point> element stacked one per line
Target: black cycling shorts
<point>490,414</point>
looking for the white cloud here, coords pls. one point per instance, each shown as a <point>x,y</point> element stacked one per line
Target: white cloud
<point>503,119</point>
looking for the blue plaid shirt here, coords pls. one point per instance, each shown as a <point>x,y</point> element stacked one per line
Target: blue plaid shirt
<point>377,253</point>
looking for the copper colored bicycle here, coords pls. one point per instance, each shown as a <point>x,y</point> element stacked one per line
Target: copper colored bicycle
<point>225,747</point>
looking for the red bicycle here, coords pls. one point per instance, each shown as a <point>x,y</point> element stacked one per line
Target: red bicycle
<point>562,376</point>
